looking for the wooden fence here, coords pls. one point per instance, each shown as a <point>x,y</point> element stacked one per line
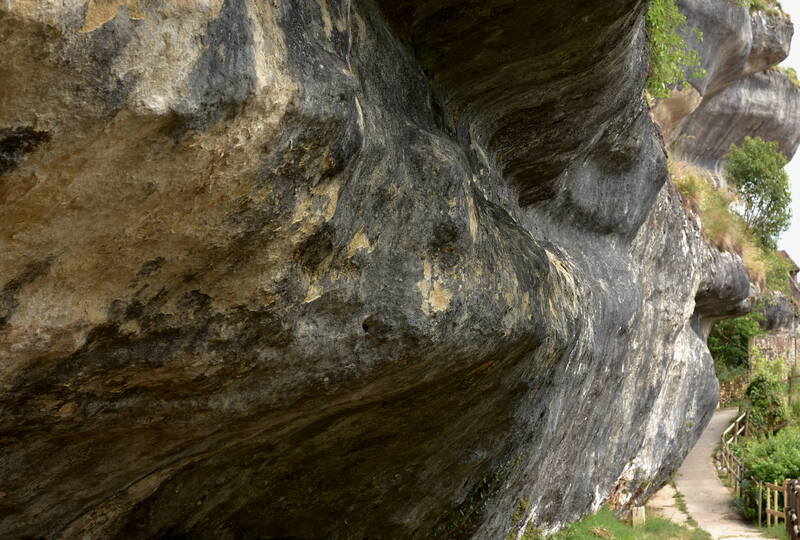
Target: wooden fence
<point>732,465</point>
<point>775,501</point>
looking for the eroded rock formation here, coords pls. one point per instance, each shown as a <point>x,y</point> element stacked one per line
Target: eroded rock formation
<point>340,269</point>
<point>779,314</point>
<point>739,95</point>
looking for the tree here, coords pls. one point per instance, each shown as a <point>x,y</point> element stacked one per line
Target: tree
<point>765,404</point>
<point>755,168</point>
<point>729,343</point>
<point>670,55</point>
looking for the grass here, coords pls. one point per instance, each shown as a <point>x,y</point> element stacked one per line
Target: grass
<point>720,226</point>
<point>776,531</point>
<point>604,524</point>
<point>521,510</point>
<point>791,73</point>
<point>680,502</point>
<point>771,7</point>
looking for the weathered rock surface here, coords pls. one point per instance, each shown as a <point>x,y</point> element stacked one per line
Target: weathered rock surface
<point>739,96</point>
<point>340,270</point>
<point>779,314</point>
<point>765,104</point>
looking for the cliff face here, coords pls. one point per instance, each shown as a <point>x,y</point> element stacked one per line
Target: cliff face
<point>737,97</point>
<point>779,314</point>
<point>341,269</point>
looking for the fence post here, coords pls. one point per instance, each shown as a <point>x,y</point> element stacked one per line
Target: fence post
<point>769,507</point>
<point>785,501</point>
<point>760,489</point>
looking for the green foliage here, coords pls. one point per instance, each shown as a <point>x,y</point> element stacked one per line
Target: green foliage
<point>765,403</point>
<point>772,7</point>
<point>729,343</point>
<point>531,533</point>
<point>693,190</point>
<point>794,396</point>
<point>680,502</point>
<point>755,168</point>
<point>604,524</point>
<point>721,226</point>
<point>521,511</point>
<point>670,55</point>
<point>776,531</point>
<point>778,269</point>
<point>770,459</point>
<point>791,73</point>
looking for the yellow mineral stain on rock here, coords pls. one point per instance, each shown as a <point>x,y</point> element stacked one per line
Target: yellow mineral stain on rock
<point>314,292</point>
<point>435,297</point>
<point>426,270</point>
<point>473,218</point>
<point>440,297</point>
<point>100,12</point>
<point>359,241</point>
<point>424,288</point>
<point>331,191</point>
<point>302,208</point>
<point>562,298</point>
<point>67,409</point>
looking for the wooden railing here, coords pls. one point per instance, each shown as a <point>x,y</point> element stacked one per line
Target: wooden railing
<point>732,465</point>
<point>782,500</point>
<point>776,494</point>
<point>783,503</point>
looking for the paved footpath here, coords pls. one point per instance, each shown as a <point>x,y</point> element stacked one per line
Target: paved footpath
<point>708,501</point>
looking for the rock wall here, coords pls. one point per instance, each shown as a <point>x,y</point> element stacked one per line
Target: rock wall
<point>781,345</point>
<point>340,269</point>
<point>779,314</point>
<point>739,95</point>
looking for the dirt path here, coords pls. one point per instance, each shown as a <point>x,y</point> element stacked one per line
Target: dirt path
<point>708,501</point>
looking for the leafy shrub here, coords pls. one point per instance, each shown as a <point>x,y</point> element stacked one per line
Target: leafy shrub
<point>774,458</point>
<point>772,7</point>
<point>723,227</point>
<point>770,459</point>
<point>729,343</point>
<point>765,403</point>
<point>670,55</point>
<point>756,169</point>
<point>777,273</point>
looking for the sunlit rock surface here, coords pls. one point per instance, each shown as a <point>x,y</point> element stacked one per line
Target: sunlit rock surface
<point>739,95</point>
<point>340,270</point>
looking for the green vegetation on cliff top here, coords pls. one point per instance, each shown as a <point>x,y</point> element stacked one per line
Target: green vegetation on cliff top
<point>790,72</point>
<point>746,218</point>
<point>670,56</point>
<point>771,7</point>
<point>756,169</point>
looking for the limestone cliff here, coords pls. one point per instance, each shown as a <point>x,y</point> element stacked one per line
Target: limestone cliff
<point>340,269</point>
<point>739,95</point>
